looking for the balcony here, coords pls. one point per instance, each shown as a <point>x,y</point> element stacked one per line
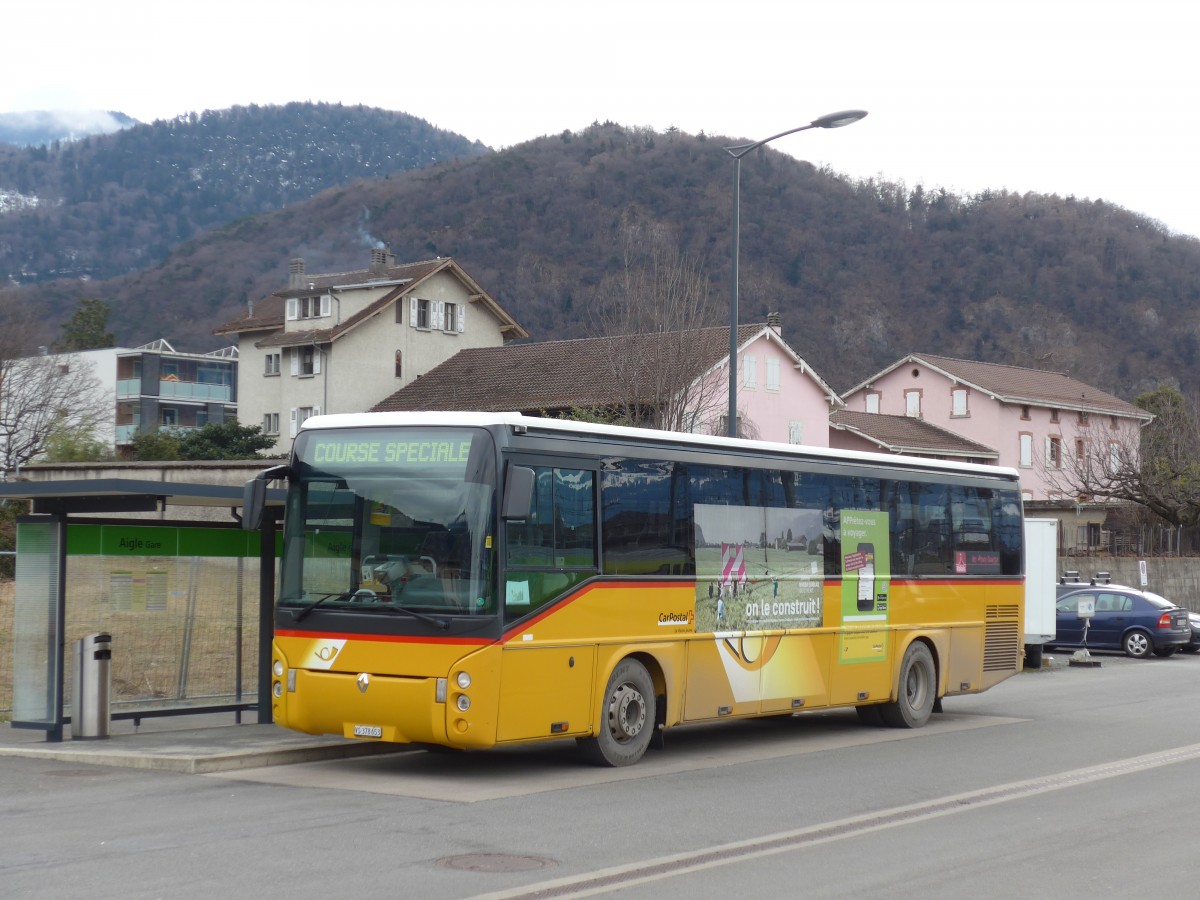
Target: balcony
<point>130,388</point>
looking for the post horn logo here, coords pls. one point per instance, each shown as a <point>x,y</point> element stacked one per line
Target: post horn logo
<point>753,653</point>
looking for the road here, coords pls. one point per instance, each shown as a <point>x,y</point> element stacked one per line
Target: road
<point>1073,781</point>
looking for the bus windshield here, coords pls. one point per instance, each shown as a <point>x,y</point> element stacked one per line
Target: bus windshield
<point>396,520</point>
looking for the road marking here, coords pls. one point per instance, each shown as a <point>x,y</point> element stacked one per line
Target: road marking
<point>605,880</point>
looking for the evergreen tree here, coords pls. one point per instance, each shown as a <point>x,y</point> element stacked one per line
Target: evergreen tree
<point>229,440</point>
<point>87,328</point>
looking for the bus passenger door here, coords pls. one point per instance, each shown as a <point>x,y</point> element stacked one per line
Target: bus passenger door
<point>549,550</point>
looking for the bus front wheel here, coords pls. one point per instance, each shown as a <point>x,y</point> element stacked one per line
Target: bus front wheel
<point>917,690</point>
<point>627,719</point>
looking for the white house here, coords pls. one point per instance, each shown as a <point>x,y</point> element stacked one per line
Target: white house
<point>342,342</point>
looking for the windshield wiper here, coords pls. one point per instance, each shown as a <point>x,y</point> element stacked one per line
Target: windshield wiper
<point>299,615</point>
<point>405,611</point>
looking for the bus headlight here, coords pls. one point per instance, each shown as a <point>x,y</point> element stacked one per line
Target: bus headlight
<point>277,668</point>
<point>277,689</point>
<point>463,702</point>
<point>463,680</point>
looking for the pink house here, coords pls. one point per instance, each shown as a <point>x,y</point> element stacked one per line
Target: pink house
<point>1038,422</point>
<point>779,397</point>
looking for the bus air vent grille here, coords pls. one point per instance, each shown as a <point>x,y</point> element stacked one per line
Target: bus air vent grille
<point>1002,611</point>
<point>1001,647</point>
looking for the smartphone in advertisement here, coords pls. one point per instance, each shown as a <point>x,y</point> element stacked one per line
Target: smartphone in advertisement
<point>866,579</point>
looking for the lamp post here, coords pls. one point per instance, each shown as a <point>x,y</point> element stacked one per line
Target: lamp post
<point>833,120</point>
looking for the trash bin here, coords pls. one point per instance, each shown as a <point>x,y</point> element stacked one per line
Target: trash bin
<point>91,709</point>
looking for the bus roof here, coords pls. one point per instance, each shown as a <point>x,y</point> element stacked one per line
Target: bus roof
<point>524,424</point>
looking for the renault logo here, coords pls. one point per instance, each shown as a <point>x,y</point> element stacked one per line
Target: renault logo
<point>364,682</point>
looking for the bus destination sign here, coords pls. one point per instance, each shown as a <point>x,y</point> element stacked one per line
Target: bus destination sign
<point>354,449</point>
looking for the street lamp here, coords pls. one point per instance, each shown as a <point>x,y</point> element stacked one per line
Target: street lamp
<point>833,120</point>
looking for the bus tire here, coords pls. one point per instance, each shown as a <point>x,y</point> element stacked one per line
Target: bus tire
<point>627,718</point>
<point>916,690</point>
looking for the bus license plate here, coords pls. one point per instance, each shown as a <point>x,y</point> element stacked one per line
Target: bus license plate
<point>371,731</point>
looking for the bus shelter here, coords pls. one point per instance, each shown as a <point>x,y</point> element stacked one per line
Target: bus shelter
<point>176,596</point>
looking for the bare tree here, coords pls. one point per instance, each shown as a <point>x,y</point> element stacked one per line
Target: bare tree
<point>1157,466</point>
<point>41,394</point>
<point>661,306</point>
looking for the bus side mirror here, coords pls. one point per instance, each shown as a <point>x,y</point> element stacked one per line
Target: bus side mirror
<point>518,493</point>
<point>254,496</point>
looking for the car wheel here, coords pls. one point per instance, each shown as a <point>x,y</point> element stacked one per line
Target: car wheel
<point>1164,652</point>
<point>1190,648</point>
<point>1137,644</point>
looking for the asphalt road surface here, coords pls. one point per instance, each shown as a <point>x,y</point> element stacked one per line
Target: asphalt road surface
<point>1072,782</point>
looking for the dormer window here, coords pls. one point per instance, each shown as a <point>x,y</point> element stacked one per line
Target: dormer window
<point>312,307</point>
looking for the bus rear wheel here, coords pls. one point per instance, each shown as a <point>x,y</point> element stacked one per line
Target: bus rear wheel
<point>627,718</point>
<point>917,690</point>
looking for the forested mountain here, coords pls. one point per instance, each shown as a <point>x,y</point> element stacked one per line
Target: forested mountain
<point>110,204</point>
<point>863,272</point>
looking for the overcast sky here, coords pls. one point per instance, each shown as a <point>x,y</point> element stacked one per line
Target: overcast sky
<point>1093,99</point>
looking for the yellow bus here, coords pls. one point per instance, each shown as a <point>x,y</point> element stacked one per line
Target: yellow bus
<point>473,580</point>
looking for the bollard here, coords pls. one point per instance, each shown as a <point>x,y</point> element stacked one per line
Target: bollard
<point>91,710</point>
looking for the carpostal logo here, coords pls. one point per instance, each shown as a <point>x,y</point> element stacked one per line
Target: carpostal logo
<point>668,619</point>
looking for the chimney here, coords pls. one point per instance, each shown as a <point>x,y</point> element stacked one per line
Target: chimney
<point>380,260</point>
<point>295,274</point>
<point>775,322</point>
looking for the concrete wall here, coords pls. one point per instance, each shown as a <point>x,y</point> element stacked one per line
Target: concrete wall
<point>1176,578</point>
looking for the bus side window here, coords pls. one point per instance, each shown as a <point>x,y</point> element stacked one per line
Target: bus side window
<point>555,547</point>
<point>931,537</point>
<point>647,518</point>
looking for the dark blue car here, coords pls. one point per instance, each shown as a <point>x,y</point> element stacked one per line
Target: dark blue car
<point>1138,622</point>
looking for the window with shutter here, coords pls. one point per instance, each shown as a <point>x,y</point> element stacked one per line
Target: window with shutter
<point>293,422</point>
<point>293,308</point>
<point>325,304</point>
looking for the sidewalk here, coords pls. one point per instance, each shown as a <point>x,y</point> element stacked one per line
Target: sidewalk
<point>189,744</point>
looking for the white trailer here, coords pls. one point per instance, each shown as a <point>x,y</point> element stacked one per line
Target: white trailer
<point>1041,575</point>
